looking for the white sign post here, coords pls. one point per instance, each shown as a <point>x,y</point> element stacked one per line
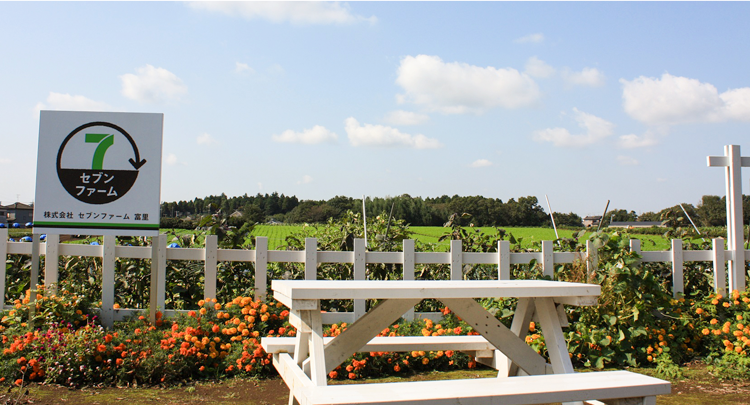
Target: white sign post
<point>98,173</point>
<point>734,162</point>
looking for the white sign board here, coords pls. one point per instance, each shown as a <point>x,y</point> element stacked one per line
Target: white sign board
<point>98,173</point>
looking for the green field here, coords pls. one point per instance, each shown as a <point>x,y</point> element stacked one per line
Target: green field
<point>276,235</point>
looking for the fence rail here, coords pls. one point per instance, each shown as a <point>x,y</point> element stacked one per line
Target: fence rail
<point>211,255</point>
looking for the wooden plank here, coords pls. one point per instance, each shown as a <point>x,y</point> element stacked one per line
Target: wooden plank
<point>108,281</point>
<point>384,257</point>
<point>335,257</point>
<point>538,389</point>
<point>678,280</point>
<point>210,269</point>
<point>432,258</point>
<point>720,276</point>
<point>360,273</point>
<point>360,332</point>
<point>130,252</point>
<point>408,268</point>
<point>185,254</point>
<point>422,289</point>
<point>520,326</point>
<point>235,255</point>
<point>503,260</point>
<point>457,263</point>
<point>557,347</point>
<point>393,344</point>
<point>51,263</point>
<point>261,267</point>
<point>497,334</point>
<point>548,264</point>
<point>293,376</point>
<point>311,258</point>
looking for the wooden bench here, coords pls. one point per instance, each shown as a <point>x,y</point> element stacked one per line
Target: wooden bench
<point>463,343</point>
<point>609,387</point>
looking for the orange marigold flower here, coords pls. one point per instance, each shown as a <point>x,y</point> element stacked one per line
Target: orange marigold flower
<point>352,376</point>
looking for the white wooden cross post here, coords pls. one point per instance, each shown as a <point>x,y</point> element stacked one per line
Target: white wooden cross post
<point>735,238</point>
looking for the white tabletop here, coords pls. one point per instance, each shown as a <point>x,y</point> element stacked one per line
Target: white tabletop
<point>288,290</point>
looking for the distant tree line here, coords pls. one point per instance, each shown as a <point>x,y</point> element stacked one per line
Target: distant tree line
<point>418,211</point>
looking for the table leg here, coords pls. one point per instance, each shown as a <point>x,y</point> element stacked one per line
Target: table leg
<point>498,334</point>
<point>521,320</point>
<point>557,347</point>
<point>310,345</point>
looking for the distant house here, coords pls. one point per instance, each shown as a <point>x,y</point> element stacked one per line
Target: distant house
<point>635,224</point>
<point>592,221</point>
<point>18,212</point>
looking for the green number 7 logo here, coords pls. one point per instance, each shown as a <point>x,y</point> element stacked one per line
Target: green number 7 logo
<point>104,141</point>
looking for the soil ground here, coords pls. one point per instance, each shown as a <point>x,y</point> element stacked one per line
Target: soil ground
<point>697,387</point>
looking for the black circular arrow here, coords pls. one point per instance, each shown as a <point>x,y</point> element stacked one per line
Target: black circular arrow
<point>137,162</point>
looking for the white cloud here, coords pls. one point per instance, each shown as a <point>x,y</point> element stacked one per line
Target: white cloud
<point>4,161</point>
<point>631,141</point>
<point>315,135</point>
<point>586,77</point>
<point>59,101</point>
<point>152,85</point>
<point>679,100</point>
<point>596,130</point>
<point>282,11</point>
<point>206,139</point>
<point>481,163</point>
<point>536,67</point>
<point>627,161</point>
<point>240,67</point>
<point>380,135</point>
<point>531,38</point>
<point>401,117</point>
<point>457,88</point>
<point>171,159</point>
<point>306,179</point>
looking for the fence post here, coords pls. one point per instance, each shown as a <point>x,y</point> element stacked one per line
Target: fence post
<point>457,265</point>
<point>408,263</point>
<point>678,280</point>
<point>158,274</point>
<point>360,273</point>
<point>720,275</point>
<point>108,281</point>
<point>261,267</point>
<point>548,259</point>
<point>503,260</point>
<point>311,259</point>
<point>210,270</point>
<point>34,268</point>
<point>4,258</point>
<point>51,262</point>
<point>592,258</point>
<point>635,247</point>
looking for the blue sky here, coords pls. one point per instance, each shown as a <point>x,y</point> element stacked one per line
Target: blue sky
<point>584,102</point>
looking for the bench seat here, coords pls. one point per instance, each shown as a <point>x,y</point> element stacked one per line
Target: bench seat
<point>463,343</point>
<point>609,387</point>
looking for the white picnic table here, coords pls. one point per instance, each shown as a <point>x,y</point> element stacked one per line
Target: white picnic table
<point>532,379</point>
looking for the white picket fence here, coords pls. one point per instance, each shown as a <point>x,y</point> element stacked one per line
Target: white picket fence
<point>211,255</point>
